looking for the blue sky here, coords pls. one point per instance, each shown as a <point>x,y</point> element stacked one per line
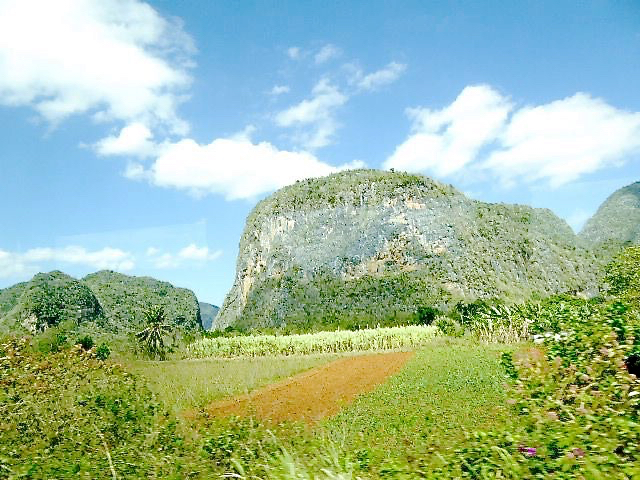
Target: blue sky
<point>138,136</point>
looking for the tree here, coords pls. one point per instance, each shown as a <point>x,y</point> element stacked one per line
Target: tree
<point>152,337</point>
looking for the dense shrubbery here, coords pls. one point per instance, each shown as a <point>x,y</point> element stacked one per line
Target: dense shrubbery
<point>327,302</point>
<point>63,413</point>
<point>575,395</point>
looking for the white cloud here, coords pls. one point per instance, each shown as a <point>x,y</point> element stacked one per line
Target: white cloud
<point>15,263</point>
<point>234,167</point>
<point>317,113</point>
<point>578,218</point>
<point>326,53</point>
<point>191,254</point>
<point>279,90</point>
<point>556,143</point>
<point>12,265</point>
<point>444,141</point>
<point>134,139</point>
<point>117,59</point>
<point>560,141</point>
<point>294,53</point>
<point>372,81</point>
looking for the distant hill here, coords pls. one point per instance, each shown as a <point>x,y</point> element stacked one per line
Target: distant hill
<point>47,300</point>
<point>365,246</point>
<point>106,301</point>
<point>207,313</point>
<point>616,224</point>
<point>125,297</point>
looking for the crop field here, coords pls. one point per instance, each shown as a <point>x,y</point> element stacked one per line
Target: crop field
<point>392,338</point>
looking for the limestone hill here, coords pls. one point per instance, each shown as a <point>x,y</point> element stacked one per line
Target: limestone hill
<point>364,246</point>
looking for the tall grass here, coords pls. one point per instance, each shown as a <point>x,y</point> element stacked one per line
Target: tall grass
<point>391,338</point>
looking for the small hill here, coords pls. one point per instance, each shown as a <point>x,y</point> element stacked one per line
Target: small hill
<point>104,302</point>
<point>125,298</point>
<point>616,224</point>
<point>364,246</point>
<point>47,300</point>
<point>208,313</point>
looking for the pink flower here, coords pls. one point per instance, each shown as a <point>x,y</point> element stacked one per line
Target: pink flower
<point>529,451</point>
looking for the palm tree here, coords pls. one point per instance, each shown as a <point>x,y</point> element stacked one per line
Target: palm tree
<point>152,337</point>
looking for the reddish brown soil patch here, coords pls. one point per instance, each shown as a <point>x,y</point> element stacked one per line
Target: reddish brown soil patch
<point>317,393</point>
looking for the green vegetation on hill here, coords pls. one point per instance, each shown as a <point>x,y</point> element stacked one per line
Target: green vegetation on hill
<point>105,308</point>
<point>616,224</point>
<point>125,298</point>
<point>566,405</point>
<point>48,300</point>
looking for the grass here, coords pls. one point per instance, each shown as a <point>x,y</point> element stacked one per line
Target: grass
<point>192,384</point>
<point>448,387</point>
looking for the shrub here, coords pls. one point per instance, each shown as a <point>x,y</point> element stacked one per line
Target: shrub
<point>85,342</point>
<point>426,315</point>
<point>103,351</point>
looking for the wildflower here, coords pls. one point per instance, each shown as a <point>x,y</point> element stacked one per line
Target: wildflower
<point>511,401</point>
<point>552,415</point>
<point>529,451</point>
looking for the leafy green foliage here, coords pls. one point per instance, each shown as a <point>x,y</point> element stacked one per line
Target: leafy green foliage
<point>575,397</point>
<point>102,351</point>
<point>62,412</point>
<point>85,342</point>
<point>327,302</point>
<point>152,337</point>
<point>623,274</point>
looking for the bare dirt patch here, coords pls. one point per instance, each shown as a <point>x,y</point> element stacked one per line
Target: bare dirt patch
<point>317,393</point>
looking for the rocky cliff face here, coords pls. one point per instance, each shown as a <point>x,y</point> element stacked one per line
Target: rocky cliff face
<point>617,222</point>
<point>369,244</point>
<point>208,313</point>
